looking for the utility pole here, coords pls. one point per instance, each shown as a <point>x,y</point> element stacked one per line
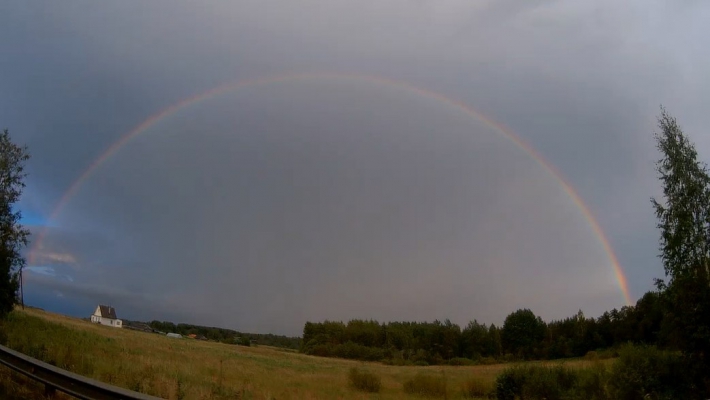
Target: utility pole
<point>22,291</point>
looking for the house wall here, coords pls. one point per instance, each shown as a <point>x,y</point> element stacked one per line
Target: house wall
<point>117,323</point>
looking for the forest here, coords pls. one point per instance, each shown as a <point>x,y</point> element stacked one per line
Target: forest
<point>523,336</point>
<point>228,336</point>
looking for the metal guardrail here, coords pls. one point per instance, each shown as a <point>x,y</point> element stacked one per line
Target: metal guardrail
<point>70,383</point>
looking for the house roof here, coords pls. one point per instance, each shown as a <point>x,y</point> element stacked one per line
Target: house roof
<point>107,312</point>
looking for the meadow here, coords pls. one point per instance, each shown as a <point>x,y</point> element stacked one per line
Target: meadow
<point>191,369</point>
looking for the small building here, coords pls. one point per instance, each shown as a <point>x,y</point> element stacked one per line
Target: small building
<point>174,335</point>
<point>106,315</point>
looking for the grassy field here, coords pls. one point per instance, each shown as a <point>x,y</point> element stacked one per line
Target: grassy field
<point>190,369</point>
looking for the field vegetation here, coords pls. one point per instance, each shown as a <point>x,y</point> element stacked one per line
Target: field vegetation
<point>193,369</point>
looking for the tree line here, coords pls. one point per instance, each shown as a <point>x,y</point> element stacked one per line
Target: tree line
<point>523,336</point>
<point>227,335</point>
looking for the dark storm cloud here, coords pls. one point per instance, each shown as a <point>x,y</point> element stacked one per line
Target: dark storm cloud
<point>333,200</point>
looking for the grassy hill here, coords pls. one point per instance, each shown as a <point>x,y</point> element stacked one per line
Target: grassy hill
<point>192,369</point>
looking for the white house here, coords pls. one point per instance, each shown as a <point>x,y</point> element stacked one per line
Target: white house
<point>106,315</point>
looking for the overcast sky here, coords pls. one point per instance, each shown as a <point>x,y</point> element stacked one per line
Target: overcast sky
<point>262,208</point>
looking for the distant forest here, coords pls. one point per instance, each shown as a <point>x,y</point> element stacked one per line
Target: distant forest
<point>523,336</point>
<point>228,336</point>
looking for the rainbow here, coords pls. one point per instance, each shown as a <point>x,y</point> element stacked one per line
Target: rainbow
<point>502,129</point>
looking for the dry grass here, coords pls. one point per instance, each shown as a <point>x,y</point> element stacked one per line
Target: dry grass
<point>364,381</point>
<point>427,385</point>
<point>477,388</point>
<point>189,369</point>
<point>15,386</point>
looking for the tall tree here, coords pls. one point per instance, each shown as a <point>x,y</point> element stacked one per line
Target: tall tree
<point>13,236</point>
<point>522,333</point>
<point>684,215</point>
<point>684,221</point>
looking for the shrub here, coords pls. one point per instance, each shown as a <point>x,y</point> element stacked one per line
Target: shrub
<point>436,360</point>
<point>645,372</point>
<point>478,388</point>
<point>364,381</point>
<point>460,361</point>
<point>509,383</point>
<point>535,382</point>
<point>354,351</point>
<point>549,383</point>
<point>426,385</point>
<point>640,373</point>
<point>488,361</point>
<point>320,350</point>
<point>397,361</point>
<point>420,355</point>
<point>593,383</point>
<point>348,350</point>
<point>606,354</point>
<point>591,355</point>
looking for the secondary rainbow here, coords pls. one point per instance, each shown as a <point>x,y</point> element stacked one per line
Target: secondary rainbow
<point>502,129</point>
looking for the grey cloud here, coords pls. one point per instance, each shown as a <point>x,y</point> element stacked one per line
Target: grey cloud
<point>285,209</point>
<point>131,305</point>
<point>282,203</point>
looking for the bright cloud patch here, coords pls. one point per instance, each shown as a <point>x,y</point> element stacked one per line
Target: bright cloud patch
<point>48,271</point>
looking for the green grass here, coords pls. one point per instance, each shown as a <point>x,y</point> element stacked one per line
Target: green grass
<point>190,369</point>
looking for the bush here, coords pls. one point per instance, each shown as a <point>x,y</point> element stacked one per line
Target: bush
<point>320,350</point>
<point>549,383</point>
<point>535,382</point>
<point>640,373</point>
<point>460,361</point>
<point>421,363</point>
<point>509,384</point>
<point>645,372</point>
<point>488,361</point>
<point>478,388</point>
<point>397,361</point>
<point>593,383</point>
<point>426,385</point>
<point>354,351</point>
<point>364,381</point>
<point>348,350</point>
<point>606,354</point>
<point>420,355</point>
